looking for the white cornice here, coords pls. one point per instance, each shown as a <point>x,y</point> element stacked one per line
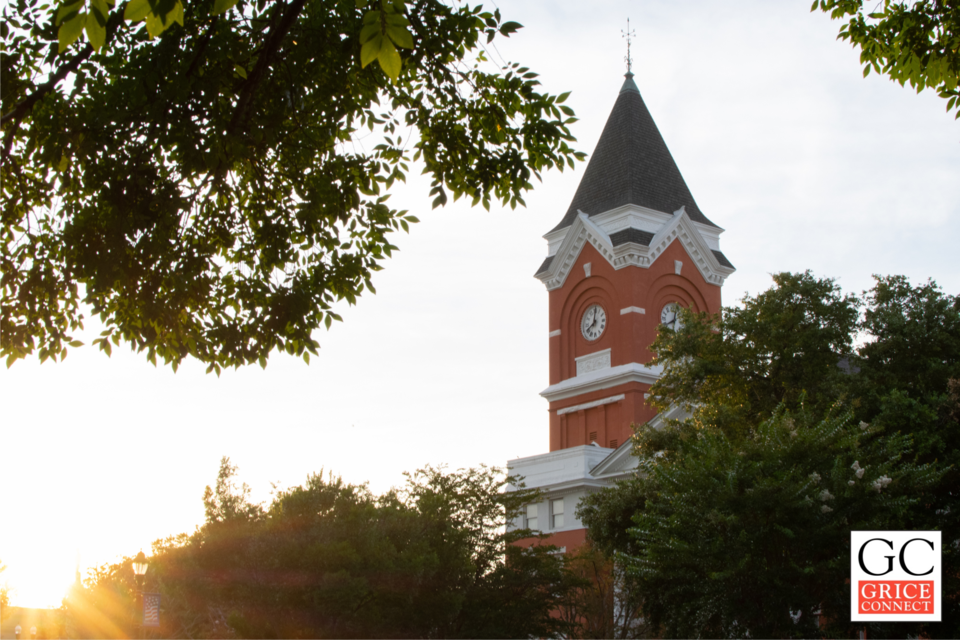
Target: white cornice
<point>632,216</point>
<point>602,379</point>
<point>586,229</point>
<point>560,472</point>
<point>558,489</point>
<point>591,405</point>
<point>623,217</point>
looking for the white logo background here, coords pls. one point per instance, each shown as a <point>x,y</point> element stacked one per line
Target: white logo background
<point>893,556</point>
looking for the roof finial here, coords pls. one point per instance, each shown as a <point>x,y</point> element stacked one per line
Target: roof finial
<point>629,34</point>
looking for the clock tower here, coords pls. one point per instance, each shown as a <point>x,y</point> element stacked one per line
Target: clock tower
<point>632,248</point>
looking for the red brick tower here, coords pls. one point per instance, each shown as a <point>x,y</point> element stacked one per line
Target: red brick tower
<point>632,248</point>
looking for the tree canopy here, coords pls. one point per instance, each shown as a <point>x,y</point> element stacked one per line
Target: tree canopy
<point>914,42</point>
<point>811,413</point>
<point>211,181</point>
<point>431,559</point>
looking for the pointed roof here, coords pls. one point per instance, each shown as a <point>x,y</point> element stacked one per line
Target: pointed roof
<point>631,165</point>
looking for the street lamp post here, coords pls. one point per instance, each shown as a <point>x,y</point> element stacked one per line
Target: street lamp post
<point>139,571</point>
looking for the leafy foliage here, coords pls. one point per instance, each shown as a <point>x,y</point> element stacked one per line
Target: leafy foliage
<point>914,42</point>
<point>908,382</point>
<point>201,182</point>
<point>720,519</point>
<point>747,537</point>
<point>329,559</point>
<point>780,345</point>
<point>106,605</point>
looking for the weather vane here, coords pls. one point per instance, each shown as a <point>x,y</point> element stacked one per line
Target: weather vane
<point>628,34</point>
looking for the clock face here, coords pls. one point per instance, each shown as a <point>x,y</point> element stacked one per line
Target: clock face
<point>593,322</point>
<point>670,316</point>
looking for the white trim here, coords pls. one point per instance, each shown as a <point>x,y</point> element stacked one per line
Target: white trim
<point>636,217</point>
<point>677,265</point>
<point>602,379</point>
<point>711,235</point>
<point>554,514</point>
<point>586,270</point>
<point>624,312</point>
<point>557,489</point>
<point>678,227</point>
<point>593,362</point>
<point>554,334</point>
<point>613,465</point>
<point>591,405</point>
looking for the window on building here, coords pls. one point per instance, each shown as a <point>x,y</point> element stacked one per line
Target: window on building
<point>556,511</point>
<point>531,516</point>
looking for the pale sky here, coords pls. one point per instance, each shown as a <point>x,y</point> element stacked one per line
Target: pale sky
<point>806,164</point>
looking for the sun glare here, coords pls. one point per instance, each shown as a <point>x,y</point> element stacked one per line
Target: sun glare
<point>38,581</point>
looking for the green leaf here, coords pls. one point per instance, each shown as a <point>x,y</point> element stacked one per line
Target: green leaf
<point>154,26</point>
<point>368,32</point>
<point>389,59</point>
<point>137,10</point>
<point>101,10</point>
<point>563,97</point>
<point>96,25</point>
<point>240,71</point>
<point>70,30</point>
<point>176,14</point>
<point>509,27</point>
<point>400,36</point>
<point>222,6</point>
<point>69,9</point>
<point>371,50</point>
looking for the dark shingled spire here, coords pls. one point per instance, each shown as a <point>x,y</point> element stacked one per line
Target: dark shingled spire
<point>631,165</point>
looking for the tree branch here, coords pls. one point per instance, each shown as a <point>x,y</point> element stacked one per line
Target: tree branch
<point>20,111</point>
<point>270,47</point>
<point>24,106</point>
<point>202,46</point>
